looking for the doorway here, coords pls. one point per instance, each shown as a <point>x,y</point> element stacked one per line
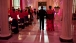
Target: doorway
<point>44,4</point>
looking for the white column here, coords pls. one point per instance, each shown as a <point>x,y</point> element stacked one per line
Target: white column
<point>66,30</point>
<point>4,25</point>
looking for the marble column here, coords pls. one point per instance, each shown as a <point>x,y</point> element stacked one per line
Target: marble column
<point>5,32</point>
<point>66,30</point>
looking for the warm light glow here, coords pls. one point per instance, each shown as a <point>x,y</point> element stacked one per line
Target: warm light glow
<point>40,38</point>
<point>29,33</point>
<point>28,16</point>
<point>44,7</point>
<point>46,39</point>
<point>10,19</point>
<point>20,37</point>
<point>18,17</point>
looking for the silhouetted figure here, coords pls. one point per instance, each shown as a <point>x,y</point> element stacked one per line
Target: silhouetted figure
<point>13,15</point>
<point>21,15</point>
<point>41,16</point>
<point>35,12</point>
<point>35,16</point>
<point>30,12</point>
<point>26,14</point>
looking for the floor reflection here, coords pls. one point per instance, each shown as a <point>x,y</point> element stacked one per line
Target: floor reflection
<point>32,34</point>
<point>67,42</point>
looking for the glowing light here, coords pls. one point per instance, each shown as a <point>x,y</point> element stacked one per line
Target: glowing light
<point>20,37</point>
<point>18,17</point>
<point>29,33</point>
<point>10,19</point>
<point>40,38</point>
<point>46,39</point>
<point>28,16</point>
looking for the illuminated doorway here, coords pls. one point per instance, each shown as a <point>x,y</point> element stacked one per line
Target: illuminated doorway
<point>42,4</point>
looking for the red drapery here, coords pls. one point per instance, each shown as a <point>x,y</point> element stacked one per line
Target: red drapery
<point>21,6</point>
<point>10,4</point>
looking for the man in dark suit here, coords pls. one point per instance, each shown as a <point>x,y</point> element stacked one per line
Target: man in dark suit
<point>41,16</point>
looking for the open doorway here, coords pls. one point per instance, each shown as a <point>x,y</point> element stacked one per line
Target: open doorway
<point>42,4</point>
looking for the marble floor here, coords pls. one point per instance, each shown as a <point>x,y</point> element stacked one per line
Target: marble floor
<point>32,34</point>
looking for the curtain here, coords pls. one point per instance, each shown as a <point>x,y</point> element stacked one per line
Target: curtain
<point>10,4</point>
<point>21,6</point>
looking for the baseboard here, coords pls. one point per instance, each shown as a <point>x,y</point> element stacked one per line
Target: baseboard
<point>5,38</point>
<point>64,40</point>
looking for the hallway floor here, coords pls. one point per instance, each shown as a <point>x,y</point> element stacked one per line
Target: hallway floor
<point>32,34</point>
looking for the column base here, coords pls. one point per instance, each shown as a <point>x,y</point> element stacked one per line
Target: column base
<point>65,40</point>
<point>5,38</point>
